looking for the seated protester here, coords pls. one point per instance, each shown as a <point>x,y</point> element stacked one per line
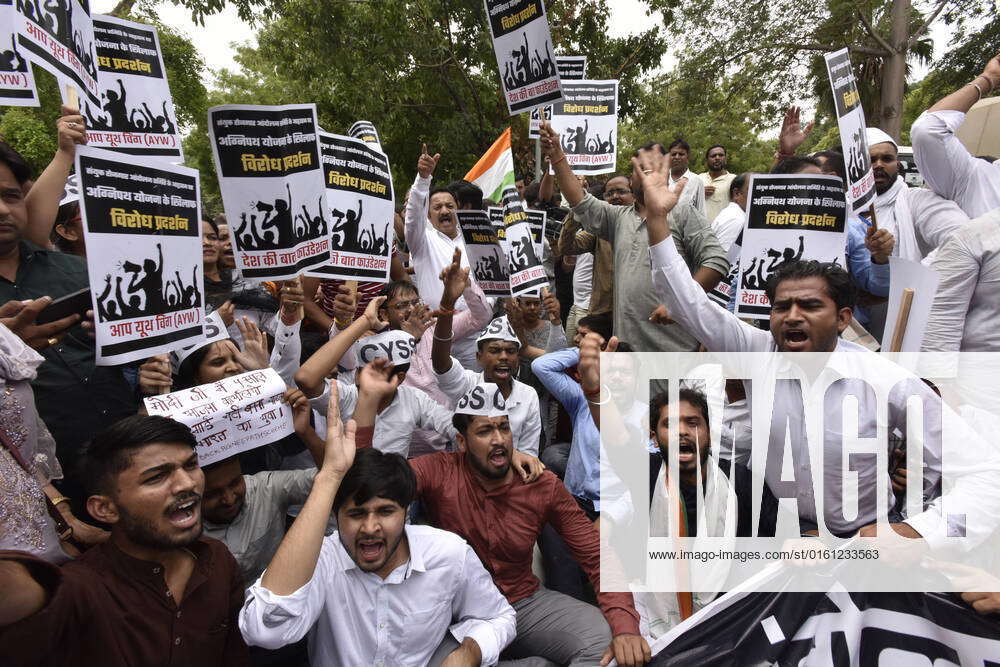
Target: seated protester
<point>75,397</point>
<point>538,336</point>
<point>377,591</point>
<point>811,304</point>
<point>154,592</point>
<point>498,355</point>
<point>219,359</point>
<point>725,515</point>
<point>944,161</point>
<point>32,523</point>
<point>400,413</point>
<point>475,493</point>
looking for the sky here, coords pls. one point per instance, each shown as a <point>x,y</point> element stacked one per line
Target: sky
<point>216,38</point>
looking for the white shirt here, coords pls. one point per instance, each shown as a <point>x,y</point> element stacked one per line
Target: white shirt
<point>356,618</point>
<point>728,224</point>
<point>966,308</point>
<point>430,252</point>
<point>974,469</point>
<point>694,190</point>
<point>583,280</point>
<point>409,410</point>
<point>948,167</point>
<point>522,404</point>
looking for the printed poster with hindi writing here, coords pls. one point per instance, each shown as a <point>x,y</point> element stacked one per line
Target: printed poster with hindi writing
<point>487,256</point>
<point>570,68</point>
<point>136,111</point>
<point>790,217</point>
<point>17,82</point>
<point>58,36</point>
<point>142,226</point>
<point>536,221</point>
<point>523,47</point>
<point>586,121</point>
<point>527,275</point>
<point>271,177</point>
<point>851,122</point>
<point>360,202</point>
<point>230,416</point>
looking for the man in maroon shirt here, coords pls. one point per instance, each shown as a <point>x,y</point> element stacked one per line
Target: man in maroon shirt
<point>475,493</point>
<point>156,593</point>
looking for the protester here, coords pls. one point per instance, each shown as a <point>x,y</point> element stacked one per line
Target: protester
<point>946,165</point>
<point>679,152</point>
<point>475,493</point>
<point>728,224</point>
<point>638,315</point>
<point>155,591</point>
<point>376,591</point>
<point>717,182</point>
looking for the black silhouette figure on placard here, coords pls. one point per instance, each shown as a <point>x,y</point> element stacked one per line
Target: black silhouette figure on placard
<point>56,18</point>
<point>115,106</point>
<point>278,228</point>
<point>279,217</point>
<point>116,116</point>
<point>857,165</point>
<point>575,141</point>
<point>313,226</point>
<point>146,295</point>
<point>523,69</point>
<point>347,226</point>
<point>491,267</point>
<point>756,275</point>
<point>522,254</point>
<point>11,60</point>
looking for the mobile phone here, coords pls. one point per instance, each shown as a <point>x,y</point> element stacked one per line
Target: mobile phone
<point>73,303</point>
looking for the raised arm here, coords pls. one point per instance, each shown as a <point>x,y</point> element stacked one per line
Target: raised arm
<point>43,198</point>
<point>570,187</point>
<point>980,87</point>
<point>418,201</point>
<point>311,377</point>
<point>455,280</point>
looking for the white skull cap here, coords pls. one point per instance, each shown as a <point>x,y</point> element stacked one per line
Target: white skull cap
<point>484,400</point>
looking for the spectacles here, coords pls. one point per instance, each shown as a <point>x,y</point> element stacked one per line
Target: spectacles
<point>403,305</point>
<point>617,193</point>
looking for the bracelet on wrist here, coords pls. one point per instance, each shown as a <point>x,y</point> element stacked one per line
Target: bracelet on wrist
<point>599,402</point>
<point>443,340</point>
<point>553,163</point>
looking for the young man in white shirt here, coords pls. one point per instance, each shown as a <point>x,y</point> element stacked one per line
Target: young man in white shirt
<point>944,162</point>
<point>692,192</point>
<point>716,181</point>
<point>729,223</point>
<point>375,592</point>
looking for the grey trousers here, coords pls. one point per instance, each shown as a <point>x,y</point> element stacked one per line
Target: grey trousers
<point>552,629</point>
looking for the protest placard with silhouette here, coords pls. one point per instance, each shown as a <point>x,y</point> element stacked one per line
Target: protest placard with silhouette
<point>142,226</point>
<point>17,83</point>
<point>490,267</point>
<point>523,46</point>
<point>851,124</point>
<point>271,178</point>
<point>359,197</point>
<point>43,26</point>
<point>587,123</point>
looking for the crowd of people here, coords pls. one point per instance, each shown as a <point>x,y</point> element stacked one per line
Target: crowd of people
<point>440,499</point>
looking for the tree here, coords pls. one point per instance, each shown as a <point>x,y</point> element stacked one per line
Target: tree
<point>772,46</point>
<point>420,70</point>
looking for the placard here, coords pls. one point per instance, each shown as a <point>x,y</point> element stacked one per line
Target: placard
<point>487,256</point>
<point>58,36</point>
<point>527,274</point>
<point>523,47</point>
<point>851,123</point>
<point>586,121</point>
<point>17,82</point>
<point>570,68</point>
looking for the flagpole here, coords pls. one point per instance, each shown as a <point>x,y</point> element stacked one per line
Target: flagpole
<point>538,144</point>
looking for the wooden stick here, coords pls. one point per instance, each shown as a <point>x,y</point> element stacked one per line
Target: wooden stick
<point>72,99</point>
<point>351,285</point>
<point>902,319</point>
<point>871,213</point>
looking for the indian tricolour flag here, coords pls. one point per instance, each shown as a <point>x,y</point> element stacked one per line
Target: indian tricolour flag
<point>495,170</point>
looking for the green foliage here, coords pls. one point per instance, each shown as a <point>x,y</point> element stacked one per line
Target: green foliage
<point>31,130</point>
<point>423,71</point>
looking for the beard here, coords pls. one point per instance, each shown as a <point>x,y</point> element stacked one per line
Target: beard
<point>144,532</point>
<point>488,471</point>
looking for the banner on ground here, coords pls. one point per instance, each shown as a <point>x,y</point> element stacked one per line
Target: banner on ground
<point>59,38</point>
<point>17,82</point>
<point>570,68</point>
<point>230,416</point>
<point>359,198</point>
<point>586,121</point>
<point>271,178</point>
<point>366,132</point>
<point>789,218</point>
<point>143,224</point>
<point>486,254</point>
<point>135,113</point>
<point>527,275</point>
<point>523,47</point>
<point>851,122</point>
<point>750,627</point>
<point>495,169</point>
<point>536,221</point>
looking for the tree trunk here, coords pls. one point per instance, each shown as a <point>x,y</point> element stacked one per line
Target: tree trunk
<point>894,70</point>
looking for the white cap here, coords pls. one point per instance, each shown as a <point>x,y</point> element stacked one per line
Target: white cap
<point>499,329</point>
<point>395,345</point>
<point>485,400</point>
<point>877,136</point>
<point>215,330</point>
